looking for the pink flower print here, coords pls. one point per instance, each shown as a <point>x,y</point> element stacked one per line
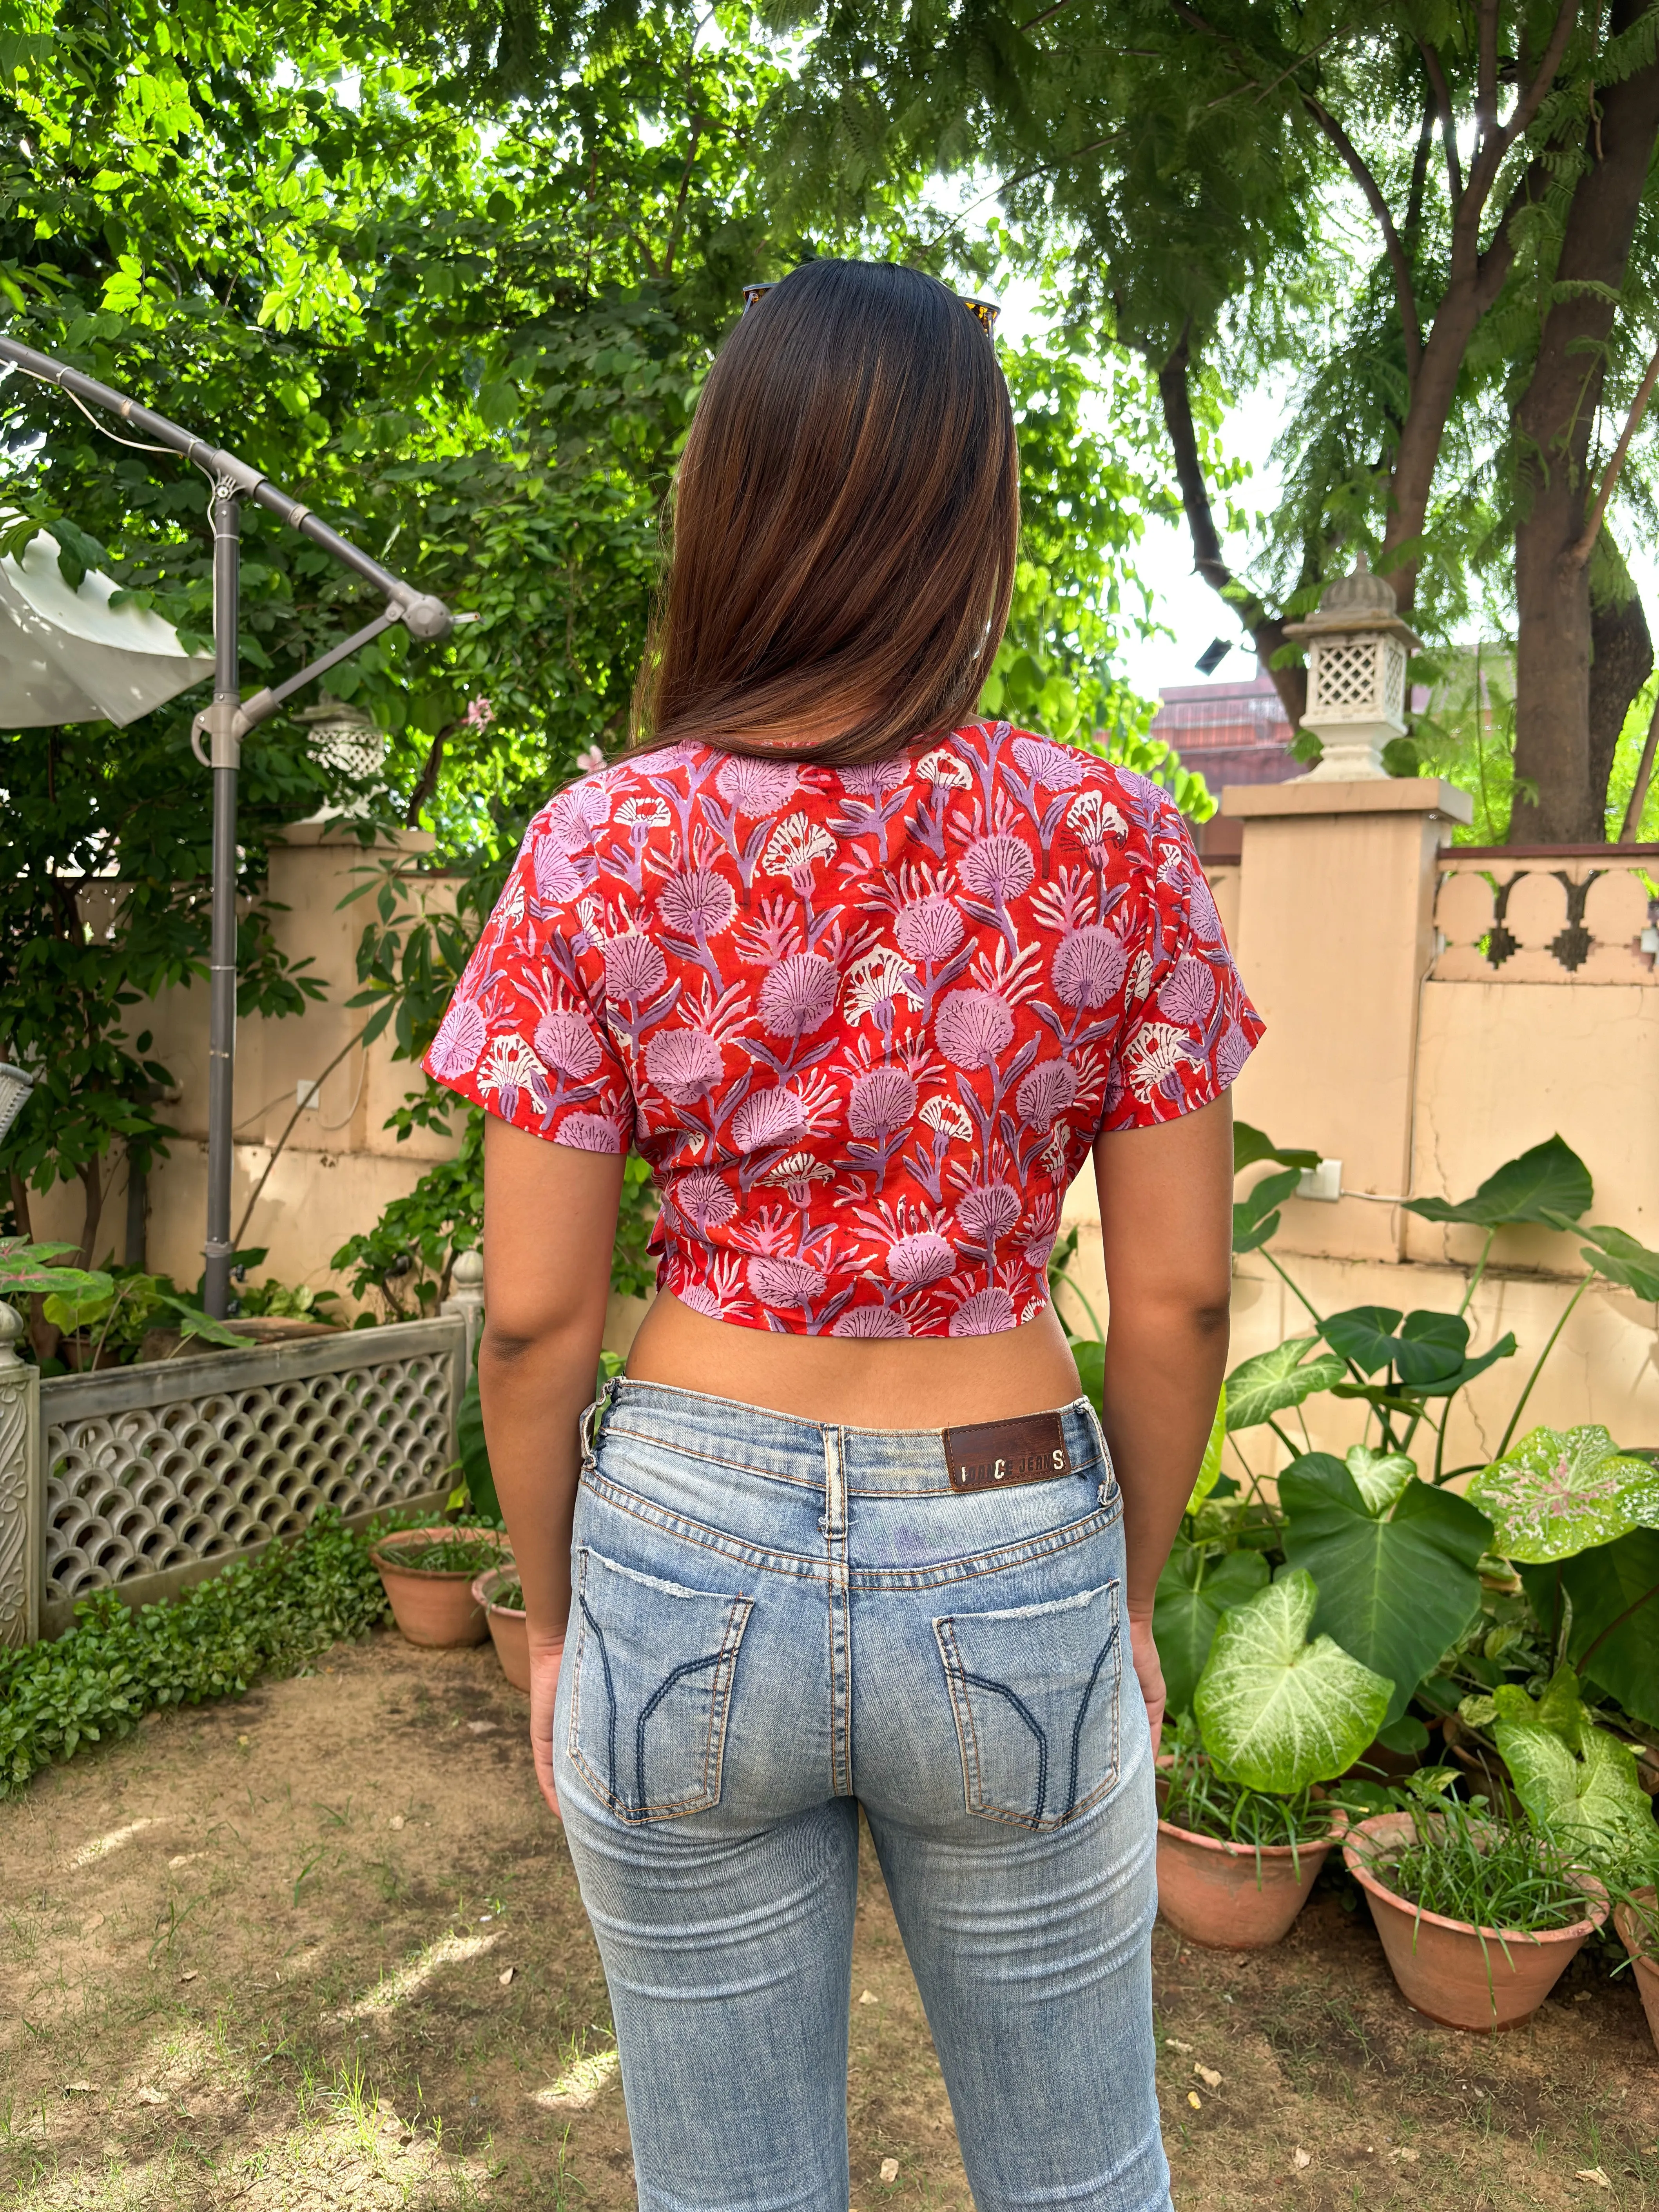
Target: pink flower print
<point>1038,1250</point>
<point>987,1313</point>
<point>929,929</point>
<point>704,1197</point>
<point>917,1261</point>
<point>876,983</point>
<point>948,1118</point>
<point>634,969</point>
<point>767,1118</point>
<point>1207,922</point>
<point>794,846</point>
<point>869,1321</point>
<point>702,1299</point>
<point>591,801</point>
<point>1089,966</point>
<point>998,868</point>
<point>882,1099</point>
<point>973,1027</point>
<point>987,1213</point>
<point>1046,1091</point>
<point>799,995</point>
<point>1050,767</point>
<point>755,787</point>
<point>941,767</point>
<point>1187,991</point>
<point>795,1174</point>
<point>567,826</point>
<point>556,880</point>
<point>1230,1056</point>
<point>588,1133</point>
<point>786,1282</point>
<point>872,780</point>
<point>566,1042</point>
<point>699,904</point>
<point>462,1035</point>
<point>684,1063</point>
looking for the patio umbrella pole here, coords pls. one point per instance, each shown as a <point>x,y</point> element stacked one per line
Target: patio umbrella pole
<point>228,720</point>
<point>225,754</point>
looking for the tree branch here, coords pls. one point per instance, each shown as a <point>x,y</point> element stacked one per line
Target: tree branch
<point>428,782</point>
<point>1580,552</point>
<point>1405,292</point>
<point>1443,102</point>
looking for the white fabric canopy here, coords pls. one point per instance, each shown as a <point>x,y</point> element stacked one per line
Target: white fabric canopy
<point>69,656</point>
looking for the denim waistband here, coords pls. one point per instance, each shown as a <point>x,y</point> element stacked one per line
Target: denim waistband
<point>783,1447</point>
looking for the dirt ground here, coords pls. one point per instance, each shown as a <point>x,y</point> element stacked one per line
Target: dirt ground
<point>323,1947</point>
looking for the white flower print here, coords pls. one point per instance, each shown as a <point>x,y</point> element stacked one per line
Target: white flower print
<point>644,813</point>
<point>1094,818</point>
<point>876,981</point>
<point>948,1118</point>
<point>1141,977</point>
<point>942,768</point>
<point>1156,1053</point>
<point>794,845</point>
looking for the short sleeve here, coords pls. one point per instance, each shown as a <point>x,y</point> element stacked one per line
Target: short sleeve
<point>1188,1027</point>
<point>526,1035</point>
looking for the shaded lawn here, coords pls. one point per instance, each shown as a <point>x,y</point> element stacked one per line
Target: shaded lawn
<point>324,1948</point>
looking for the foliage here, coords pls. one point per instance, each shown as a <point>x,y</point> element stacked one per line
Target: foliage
<point>406,1260</point>
<point>1466,1866</point>
<point>1557,1495</point>
<point>1278,1710</point>
<point>269,1616</point>
<point>1576,1783</point>
<point>459,1554</point>
<point>1192,1794</point>
<point>1196,1587</point>
<point>1602,1612</point>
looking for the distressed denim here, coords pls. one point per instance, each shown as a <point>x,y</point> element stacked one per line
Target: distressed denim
<point>775,1623</point>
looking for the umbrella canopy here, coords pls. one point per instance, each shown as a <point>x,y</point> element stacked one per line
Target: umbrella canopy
<point>69,656</point>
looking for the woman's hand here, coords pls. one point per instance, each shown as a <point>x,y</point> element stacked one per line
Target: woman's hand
<point>1148,1673</point>
<point>544,1656</point>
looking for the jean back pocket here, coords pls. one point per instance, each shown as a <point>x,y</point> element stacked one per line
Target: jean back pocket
<point>652,1694</point>
<point>1035,1691</point>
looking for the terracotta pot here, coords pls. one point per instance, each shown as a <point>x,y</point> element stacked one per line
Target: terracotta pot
<point>435,1609</point>
<point>1480,1979</point>
<point>1643,1944</point>
<point>1229,1897</point>
<point>509,1630</point>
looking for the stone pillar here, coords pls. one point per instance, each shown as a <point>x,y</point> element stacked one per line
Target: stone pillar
<point>1335,935</point>
<point>466,1299</point>
<point>22,1502</point>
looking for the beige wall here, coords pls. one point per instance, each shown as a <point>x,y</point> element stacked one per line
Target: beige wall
<point>1394,1046</point>
<point>341,1166</point>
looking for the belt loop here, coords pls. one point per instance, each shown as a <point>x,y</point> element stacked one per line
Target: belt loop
<point>835,1482</point>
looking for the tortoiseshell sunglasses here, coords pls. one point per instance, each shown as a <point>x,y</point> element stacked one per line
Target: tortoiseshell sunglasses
<point>984,312</point>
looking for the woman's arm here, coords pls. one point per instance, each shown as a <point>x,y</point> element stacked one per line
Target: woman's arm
<point>549,1225</point>
<point>1166,1234</point>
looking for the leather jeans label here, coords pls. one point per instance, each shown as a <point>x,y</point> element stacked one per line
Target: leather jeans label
<point>994,1455</point>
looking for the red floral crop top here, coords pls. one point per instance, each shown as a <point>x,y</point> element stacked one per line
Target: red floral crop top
<point>864,1023</point>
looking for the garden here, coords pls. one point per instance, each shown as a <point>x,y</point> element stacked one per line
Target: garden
<point>286,1923</point>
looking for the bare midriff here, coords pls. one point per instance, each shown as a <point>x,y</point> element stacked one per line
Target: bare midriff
<point>916,1382</point>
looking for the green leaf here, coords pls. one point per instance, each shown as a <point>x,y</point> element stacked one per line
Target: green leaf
<point>193,1322</point>
<point>475,1454</point>
<point>1194,1591</point>
<point>1549,1180</point>
<point>1379,1476</point>
<point>1621,1259</point>
<point>1273,1381</point>
<point>1090,1356</point>
<point>1365,1334</point>
<point>1276,1711</point>
<point>1209,1467</point>
<point>1614,1591</point>
<point>1558,1494</point>
<point>1399,1584</point>
<point>1255,1218</point>
<point>1250,1145</point>
<point>1429,1347</point>
<point>1578,1784</point>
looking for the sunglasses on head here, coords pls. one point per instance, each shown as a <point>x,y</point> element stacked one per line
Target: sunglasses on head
<point>984,312</point>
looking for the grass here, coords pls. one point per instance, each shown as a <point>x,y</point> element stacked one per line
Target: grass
<point>1466,1867</point>
<point>1193,1796</point>
<point>445,1555</point>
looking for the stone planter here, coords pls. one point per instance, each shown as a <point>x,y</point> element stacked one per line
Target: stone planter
<point>1478,1978</point>
<point>433,1607</point>
<point>1642,1942</point>
<point>1231,1897</point>
<point>509,1628</point>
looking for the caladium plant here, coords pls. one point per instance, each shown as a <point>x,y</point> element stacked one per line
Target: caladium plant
<point>1558,1494</point>
<point>1277,1710</point>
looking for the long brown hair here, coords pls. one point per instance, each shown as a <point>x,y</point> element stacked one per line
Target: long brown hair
<point>845,523</point>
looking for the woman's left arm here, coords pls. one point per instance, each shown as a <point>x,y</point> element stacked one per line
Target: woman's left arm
<point>549,1227</point>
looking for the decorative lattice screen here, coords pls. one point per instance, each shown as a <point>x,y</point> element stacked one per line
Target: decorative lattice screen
<point>157,1466</point>
<point>1345,679</point>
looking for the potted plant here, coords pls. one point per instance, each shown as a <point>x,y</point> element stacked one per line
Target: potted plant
<point>1479,1917</point>
<point>428,1575</point>
<point>498,1593</point>
<point>1244,1828</point>
<point>1637,1919</point>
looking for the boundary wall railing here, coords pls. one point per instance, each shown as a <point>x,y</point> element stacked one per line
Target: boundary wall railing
<point>144,1480</point>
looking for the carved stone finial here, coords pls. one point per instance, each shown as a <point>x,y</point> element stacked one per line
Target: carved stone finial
<point>11,1330</point>
<point>467,1273</point>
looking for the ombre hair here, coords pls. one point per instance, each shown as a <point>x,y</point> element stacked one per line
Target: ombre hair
<point>845,526</point>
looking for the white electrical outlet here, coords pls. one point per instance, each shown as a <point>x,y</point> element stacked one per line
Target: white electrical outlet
<point>1324,1181</point>
<point>309,1094</point>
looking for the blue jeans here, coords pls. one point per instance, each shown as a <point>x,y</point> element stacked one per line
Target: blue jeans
<point>776,1622</point>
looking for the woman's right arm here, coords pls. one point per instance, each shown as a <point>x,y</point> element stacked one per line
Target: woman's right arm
<point>549,1225</point>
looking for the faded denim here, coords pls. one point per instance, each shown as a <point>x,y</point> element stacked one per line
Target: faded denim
<point>776,1622</point>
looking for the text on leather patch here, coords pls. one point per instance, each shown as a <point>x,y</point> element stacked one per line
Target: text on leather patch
<point>994,1455</point>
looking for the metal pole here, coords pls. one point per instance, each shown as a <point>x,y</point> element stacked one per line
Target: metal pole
<point>226,514</point>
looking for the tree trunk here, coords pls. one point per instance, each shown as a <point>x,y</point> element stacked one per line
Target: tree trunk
<point>1552,746</point>
<point>1267,630</point>
<point>1621,660</point>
